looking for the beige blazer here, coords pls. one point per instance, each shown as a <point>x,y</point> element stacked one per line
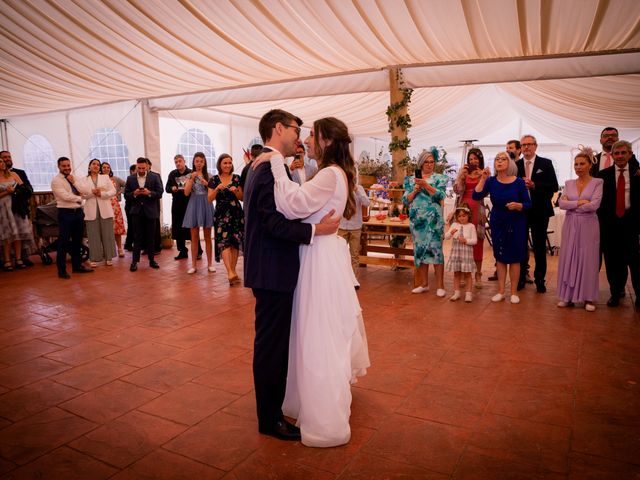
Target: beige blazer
<point>103,202</point>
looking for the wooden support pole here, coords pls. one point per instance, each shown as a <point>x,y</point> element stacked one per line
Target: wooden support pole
<point>395,96</point>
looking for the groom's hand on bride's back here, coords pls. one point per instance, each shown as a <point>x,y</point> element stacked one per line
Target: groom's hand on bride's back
<point>329,224</point>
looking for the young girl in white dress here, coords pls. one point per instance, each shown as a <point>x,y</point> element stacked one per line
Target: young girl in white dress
<point>461,261</point>
<point>328,346</point>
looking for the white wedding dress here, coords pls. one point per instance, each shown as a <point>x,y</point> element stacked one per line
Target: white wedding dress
<point>328,344</point>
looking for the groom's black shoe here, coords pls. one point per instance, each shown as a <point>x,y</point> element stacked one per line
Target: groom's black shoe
<point>282,430</point>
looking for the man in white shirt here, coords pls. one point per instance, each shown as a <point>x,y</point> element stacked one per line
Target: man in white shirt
<point>300,170</point>
<point>604,159</point>
<point>70,220</point>
<point>351,229</point>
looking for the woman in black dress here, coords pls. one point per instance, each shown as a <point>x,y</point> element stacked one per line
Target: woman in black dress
<point>229,217</point>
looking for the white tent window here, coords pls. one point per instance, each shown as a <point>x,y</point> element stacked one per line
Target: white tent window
<point>254,141</point>
<point>195,140</point>
<point>39,163</point>
<point>107,145</point>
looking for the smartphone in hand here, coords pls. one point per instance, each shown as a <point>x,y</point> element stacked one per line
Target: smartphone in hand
<point>418,173</point>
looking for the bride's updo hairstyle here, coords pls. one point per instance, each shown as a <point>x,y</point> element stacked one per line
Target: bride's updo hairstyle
<point>337,153</point>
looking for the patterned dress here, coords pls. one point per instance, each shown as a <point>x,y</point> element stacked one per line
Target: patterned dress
<point>118,219</point>
<point>478,214</point>
<point>426,220</point>
<point>461,257</point>
<point>228,218</point>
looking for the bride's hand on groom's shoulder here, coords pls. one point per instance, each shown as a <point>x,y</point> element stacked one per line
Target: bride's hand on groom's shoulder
<point>262,158</point>
<point>329,224</point>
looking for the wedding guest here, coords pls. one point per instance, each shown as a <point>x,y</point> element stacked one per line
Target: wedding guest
<point>255,151</point>
<point>70,220</point>
<point>301,171</point>
<point>97,190</point>
<point>144,191</point>
<point>510,198</point>
<point>156,234</point>
<point>228,218</point>
<point>424,194</point>
<point>464,185</point>
<point>461,261</point>
<point>128,241</point>
<point>11,231</point>
<point>578,266</point>
<point>199,211</point>
<point>351,229</point>
<point>604,159</point>
<point>541,181</point>
<point>20,205</point>
<point>118,220</point>
<point>619,217</point>
<point>175,186</point>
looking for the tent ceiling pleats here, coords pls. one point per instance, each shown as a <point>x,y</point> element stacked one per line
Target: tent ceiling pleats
<point>65,54</point>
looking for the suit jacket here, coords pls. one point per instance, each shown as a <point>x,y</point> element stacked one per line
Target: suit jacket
<point>596,166</point>
<point>271,258</point>
<point>543,175</point>
<point>23,176</point>
<point>180,200</point>
<point>93,203</point>
<point>607,210</point>
<point>149,206</point>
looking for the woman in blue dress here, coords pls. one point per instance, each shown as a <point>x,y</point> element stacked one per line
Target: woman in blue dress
<point>509,198</point>
<point>424,196</point>
<point>199,210</point>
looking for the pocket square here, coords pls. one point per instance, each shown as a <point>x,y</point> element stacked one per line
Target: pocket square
<point>539,170</point>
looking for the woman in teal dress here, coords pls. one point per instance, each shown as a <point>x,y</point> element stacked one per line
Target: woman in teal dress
<point>424,197</point>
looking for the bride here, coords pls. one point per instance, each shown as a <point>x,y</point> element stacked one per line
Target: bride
<point>328,345</point>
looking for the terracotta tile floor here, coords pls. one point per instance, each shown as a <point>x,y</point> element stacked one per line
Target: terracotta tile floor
<point>148,375</point>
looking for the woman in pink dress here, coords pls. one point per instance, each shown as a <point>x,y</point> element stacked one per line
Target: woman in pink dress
<point>464,186</point>
<point>579,262</point>
<point>118,219</point>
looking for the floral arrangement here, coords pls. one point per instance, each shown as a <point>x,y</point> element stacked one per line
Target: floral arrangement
<point>165,231</point>
<point>378,167</point>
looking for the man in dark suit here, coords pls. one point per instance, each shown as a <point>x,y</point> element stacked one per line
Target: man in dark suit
<point>27,191</point>
<point>143,190</point>
<point>540,177</point>
<point>175,186</point>
<point>271,265</point>
<point>619,216</point>
<point>604,159</point>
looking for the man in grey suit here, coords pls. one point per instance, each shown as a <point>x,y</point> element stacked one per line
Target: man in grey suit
<point>143,190</point>
<point>300,170</point>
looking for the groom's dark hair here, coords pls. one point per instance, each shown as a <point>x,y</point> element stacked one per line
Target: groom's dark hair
<point>269,120</point>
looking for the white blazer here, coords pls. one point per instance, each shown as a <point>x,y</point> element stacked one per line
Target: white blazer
<point>103,202</point>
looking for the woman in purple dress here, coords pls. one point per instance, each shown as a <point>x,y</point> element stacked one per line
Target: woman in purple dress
<point>580,249</point>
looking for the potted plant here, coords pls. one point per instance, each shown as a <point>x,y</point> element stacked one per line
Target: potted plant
<point>166,240</point>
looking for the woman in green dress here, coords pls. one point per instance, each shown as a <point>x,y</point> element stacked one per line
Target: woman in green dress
<point>424,197</point>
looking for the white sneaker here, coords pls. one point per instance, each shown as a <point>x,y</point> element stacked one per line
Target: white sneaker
<point>191,270</point>
<point>562,304</point>
<point>589,307</point>
<point>455,296</point>
<point>109,263</point>
<point>498,297</point>
<point>468,297</point>
<point>211,268</point>
<point>515,299</point>
<point>420,290</point>
<point>440,292</point>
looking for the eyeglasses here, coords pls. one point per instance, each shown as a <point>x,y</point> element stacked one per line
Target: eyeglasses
<point>527,144</point>
<point>609,135</point>
<point>297,128</point>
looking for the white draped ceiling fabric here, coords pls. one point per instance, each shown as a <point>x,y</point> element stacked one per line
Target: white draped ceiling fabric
<point>566,66</point>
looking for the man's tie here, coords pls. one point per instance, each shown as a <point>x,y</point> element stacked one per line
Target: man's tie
<point>620,194</point>
<point>607,162</point>
<point>73,187</point>
<point>528,169</point>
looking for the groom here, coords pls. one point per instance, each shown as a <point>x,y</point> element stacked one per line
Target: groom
<point>271,265</point>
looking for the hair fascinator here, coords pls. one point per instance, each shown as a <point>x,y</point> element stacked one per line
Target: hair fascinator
<point>463,207</point>
<point>588,152</point>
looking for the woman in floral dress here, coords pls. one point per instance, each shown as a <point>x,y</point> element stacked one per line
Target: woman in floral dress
<point>424,196</point>
<point>118,220</point>
<point>229,217</point>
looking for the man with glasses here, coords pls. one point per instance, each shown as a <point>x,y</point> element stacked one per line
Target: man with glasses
<point>604,159</point>
<point>540,178</point>
<point>271,265</point>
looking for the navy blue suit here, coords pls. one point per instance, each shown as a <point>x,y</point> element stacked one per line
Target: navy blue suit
<point>271,265</point>
<point>543,175</point>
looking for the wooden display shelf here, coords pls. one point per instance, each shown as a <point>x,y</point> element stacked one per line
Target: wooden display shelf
<point>386,228</point>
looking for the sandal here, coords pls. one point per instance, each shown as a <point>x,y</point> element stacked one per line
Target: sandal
<point>20,264</point>
<point>235,280</point>
<point>7,267</point>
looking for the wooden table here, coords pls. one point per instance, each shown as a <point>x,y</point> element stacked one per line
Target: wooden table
<point>385,227</point>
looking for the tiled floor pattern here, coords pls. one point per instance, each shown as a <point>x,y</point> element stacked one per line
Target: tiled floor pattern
<point>148,375</point>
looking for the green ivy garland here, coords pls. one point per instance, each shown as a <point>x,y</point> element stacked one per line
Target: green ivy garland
<point>400,121</point>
